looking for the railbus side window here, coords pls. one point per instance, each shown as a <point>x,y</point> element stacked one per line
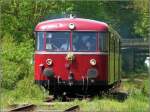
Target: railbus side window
<point>103,41</point>
<point>40,41</point>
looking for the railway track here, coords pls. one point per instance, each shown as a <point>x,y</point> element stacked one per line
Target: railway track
<point>26,108</point>
<point>49,102</point>
<point>73,109</point>
<point>35,108</point>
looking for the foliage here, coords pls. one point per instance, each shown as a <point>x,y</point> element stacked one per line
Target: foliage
<point>136,101</point>
<point>18,19</point>
<point>20,16</point>
<point>15,59</point>
<point>25,92</point>
<point>142,25</point>
<point>146,88</point>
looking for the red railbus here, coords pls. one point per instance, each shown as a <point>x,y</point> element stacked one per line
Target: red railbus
<point>76,55</point>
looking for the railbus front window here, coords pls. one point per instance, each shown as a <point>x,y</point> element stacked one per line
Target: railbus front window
<point>84,41</point>
<point>57,41</point>
<point>40,41</point>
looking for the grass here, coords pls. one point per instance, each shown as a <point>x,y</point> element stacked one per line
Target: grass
<point>132,104</point>
<point>24,92</point>
<point>137,101</point>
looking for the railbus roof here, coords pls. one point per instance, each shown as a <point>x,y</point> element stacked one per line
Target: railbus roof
<point>80,25</point>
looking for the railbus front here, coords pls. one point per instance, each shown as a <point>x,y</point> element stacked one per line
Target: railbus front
<point>76,55</point>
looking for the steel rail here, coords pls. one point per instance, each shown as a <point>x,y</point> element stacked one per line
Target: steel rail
<point>73,109</point>
<point>23,108</point>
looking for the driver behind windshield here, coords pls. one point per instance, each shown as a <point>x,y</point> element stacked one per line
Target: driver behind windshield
<point>50,45</point>
<point>65,46</point>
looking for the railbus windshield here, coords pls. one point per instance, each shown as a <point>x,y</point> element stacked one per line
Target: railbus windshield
<point>57,41</point>
<point>79,40</point>
<point>84,41</point>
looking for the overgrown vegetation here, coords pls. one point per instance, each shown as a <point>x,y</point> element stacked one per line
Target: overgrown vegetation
<point>16,59</point>
<point>18,19</point>
<point>25,92</point>
<point>137,101</point>
<point>17,81</point>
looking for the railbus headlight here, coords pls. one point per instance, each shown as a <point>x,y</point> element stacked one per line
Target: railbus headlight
<point>93,62</point>
<point>71,26</point>
<point>49,61</point>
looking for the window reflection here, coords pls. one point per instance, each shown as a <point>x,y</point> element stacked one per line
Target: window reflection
<point>40,41</point>
<point>103,42</point>
<point>57,41</point>
<point>84,41</point>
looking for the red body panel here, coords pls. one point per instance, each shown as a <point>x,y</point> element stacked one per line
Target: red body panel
<point>80,24</point>
<point>79,66</point>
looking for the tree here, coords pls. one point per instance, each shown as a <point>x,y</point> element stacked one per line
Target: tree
<point>142,25</point>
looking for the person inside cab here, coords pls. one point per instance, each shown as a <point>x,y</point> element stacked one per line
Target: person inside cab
<point>91,44</point>
<point>50,45</point>
<point>65,46</point>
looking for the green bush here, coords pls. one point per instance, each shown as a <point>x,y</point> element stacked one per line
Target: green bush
<point>146,88</point>
<point>15,59</point>
<point>25,92</point>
